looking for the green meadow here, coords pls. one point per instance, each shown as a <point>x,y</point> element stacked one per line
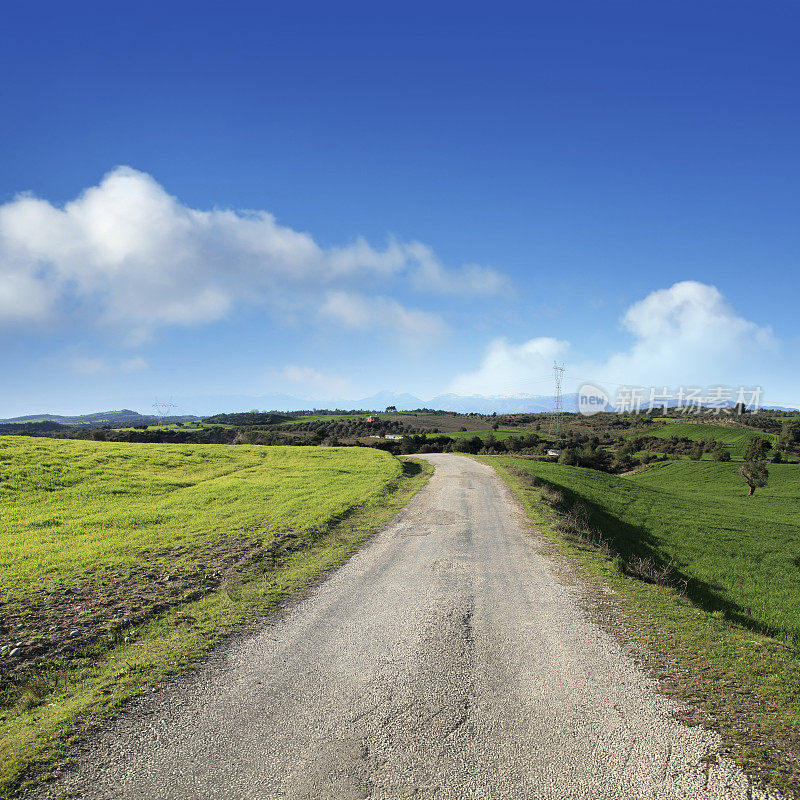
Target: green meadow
<point>739,554</point>
<point>735,438</point>
<point>71,508</point>
<point>724,636</point>
<point>121,564</point>
<point>336,417</point>
<point>186,426</point>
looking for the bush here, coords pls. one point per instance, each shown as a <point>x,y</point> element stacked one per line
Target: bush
<point>648,570</point>
<point>721,453</point>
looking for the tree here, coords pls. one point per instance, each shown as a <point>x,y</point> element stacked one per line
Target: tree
<point>755,474</point>
<point>391,409</point>
<point>408,446</point>
<point>720,452</point>
<point>790,433</point>
<point>569,455</point>
<point>757,449</point>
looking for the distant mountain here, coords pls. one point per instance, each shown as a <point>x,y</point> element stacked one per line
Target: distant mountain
<point>478,404</point>
<point>119,419</point>
<point>502,404</point>
<point>381,400</point>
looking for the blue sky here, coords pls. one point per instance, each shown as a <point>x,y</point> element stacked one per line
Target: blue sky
<point>327,200</point>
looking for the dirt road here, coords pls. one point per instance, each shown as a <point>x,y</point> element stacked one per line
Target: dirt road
<point>445,660</point>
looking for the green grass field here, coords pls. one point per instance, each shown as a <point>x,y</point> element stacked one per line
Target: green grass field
<point>122,563</point>
<point>72,508</point>
<point>735,438</point>
<point>729,645</point>
<point>337,417</point>
<point>739,554</point>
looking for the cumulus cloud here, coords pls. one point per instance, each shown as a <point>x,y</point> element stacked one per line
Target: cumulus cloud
<point>23,297</point>
<point>358,312</point>
<point>470,279</point>
<point>133,256</point>
<point>509,368</point>
<point>687,334</point>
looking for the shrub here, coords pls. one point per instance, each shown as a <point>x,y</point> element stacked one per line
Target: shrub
<point>648,570</point>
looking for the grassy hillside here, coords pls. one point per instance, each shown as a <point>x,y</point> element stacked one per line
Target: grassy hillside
<point>735,438</point>
<point>99,418</point>
<point>728,647</point>
<point>120,563</point>
<point>71,509</point>
<point>739,554</point>
<point>335,417</point>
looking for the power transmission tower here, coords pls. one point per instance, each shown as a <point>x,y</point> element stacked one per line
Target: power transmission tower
<point>162,409</point>
<point>555,420</point>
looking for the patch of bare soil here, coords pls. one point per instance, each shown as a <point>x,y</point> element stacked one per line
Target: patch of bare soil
<point>109,601</point>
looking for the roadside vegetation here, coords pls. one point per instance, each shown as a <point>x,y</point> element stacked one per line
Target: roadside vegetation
<point>122,563</point>
<point>708,580</point>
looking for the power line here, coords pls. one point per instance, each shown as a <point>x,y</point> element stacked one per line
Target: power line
<point>162,409</point>
<point>555,420</point>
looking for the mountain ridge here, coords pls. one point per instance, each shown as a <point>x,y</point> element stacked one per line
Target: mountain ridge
<point>462,404</point>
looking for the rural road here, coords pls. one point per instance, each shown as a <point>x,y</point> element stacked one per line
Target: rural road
<point>444,660</point>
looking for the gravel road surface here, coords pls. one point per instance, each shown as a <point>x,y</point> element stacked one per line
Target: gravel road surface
<point>444,660</point>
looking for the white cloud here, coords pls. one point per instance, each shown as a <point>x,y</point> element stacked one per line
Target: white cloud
<point>689,334</point>
<point>470,279</point>
<point>23,297</point>
<point>137,258</point>
<point>686,334</point>
<point>358,312</point>
<point>512,368</point>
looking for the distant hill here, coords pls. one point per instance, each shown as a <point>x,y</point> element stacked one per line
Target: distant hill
<point>479,404</point>
<point>118,419</point>
<point>237,404</point>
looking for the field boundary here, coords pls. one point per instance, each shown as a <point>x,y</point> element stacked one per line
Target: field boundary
<point>95,685</point>
<point>739,683</point>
